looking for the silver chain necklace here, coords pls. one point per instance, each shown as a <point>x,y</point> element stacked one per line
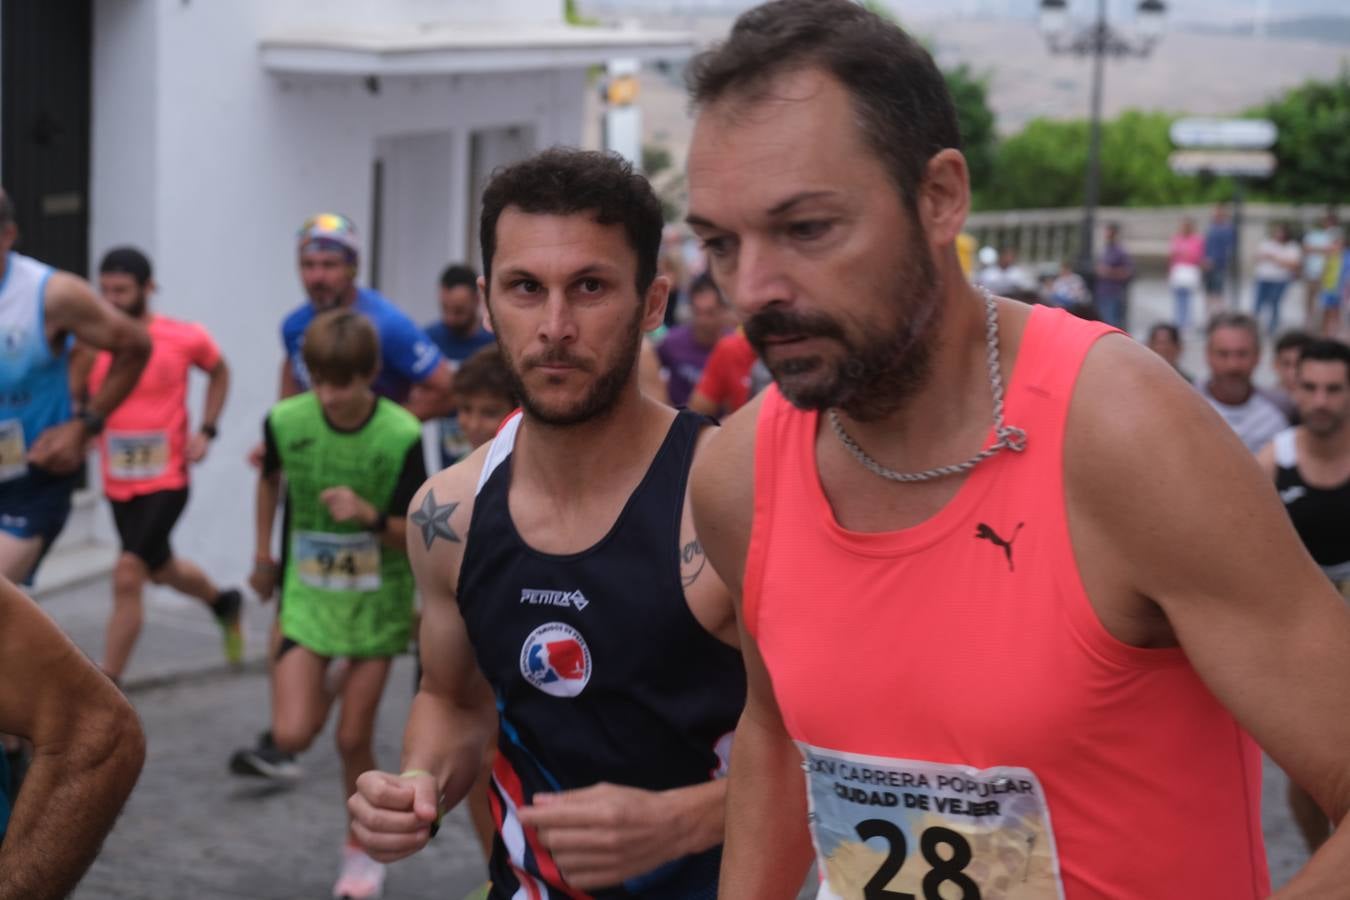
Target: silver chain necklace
<point>1007,437</point>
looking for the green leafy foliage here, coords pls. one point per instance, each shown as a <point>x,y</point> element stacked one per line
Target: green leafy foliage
<point>1313,149</point>
<point>970,94</point>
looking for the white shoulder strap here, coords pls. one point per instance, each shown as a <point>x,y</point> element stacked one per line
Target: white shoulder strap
<point>499,450</point>
<point>1286,449</point>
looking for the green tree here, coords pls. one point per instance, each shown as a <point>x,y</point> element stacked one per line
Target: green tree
<point>970,95</point>
<point>1045,164</point>
<point>1313,149</point>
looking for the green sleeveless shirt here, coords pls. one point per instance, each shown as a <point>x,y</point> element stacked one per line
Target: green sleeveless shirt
<point>344,592</point>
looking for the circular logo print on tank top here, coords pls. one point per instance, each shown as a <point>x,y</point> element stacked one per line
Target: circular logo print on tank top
<point>556,660</point>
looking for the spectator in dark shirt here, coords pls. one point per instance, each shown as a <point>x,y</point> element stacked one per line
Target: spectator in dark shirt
<point>1115,270</point>
<point>1220,242</point>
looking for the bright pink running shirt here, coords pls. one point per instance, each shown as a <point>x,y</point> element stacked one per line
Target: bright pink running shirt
<point>968,725</point>
<point>143,444</point>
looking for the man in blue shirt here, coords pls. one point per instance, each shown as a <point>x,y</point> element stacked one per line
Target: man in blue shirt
<point>412,370</point>
<point>1220,242</point>
<point>458,334</point>
<point>460,330</point>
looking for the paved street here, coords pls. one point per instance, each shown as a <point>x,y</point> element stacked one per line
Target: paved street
<point>193,831</point>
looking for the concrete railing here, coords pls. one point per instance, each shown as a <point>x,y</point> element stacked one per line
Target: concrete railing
<point>1047,236</point>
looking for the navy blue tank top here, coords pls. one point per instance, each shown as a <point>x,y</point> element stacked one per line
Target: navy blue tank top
<point>601,672</point>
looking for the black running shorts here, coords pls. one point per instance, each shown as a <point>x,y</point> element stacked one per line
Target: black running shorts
<point>144,524</point>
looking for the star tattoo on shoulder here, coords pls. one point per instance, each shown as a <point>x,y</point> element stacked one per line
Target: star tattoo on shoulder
<point>434,519</point>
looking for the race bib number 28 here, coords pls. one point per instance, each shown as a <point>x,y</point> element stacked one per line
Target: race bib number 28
<point>896,829</point>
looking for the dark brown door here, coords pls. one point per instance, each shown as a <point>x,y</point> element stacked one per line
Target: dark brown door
<point>44,126</point>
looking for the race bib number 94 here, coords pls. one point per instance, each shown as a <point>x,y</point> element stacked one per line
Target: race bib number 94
<point>897,829</point>
<point>338,562</point>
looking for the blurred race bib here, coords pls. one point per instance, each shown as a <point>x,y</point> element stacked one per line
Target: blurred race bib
<point>338,562</point>
<point>134,456</point>
<point>896,829</point>
<point>13,452</point>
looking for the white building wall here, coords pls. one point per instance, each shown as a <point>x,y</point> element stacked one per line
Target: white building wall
<point>214,177</point>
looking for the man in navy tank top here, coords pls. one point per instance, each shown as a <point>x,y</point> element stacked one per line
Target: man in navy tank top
<point>566,600</point>
<point>1310,465</point>
<point>42,438</point>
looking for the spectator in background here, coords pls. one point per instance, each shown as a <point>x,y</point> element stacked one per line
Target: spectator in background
<point>459,333</point>
<point>686,348</point>
<point>1220,245</point>
<point>1232,350</point>
<point>1335,284</point>
<point>1319,242</point>
<point>1288,349</point>
<point>1185,262</point>
<point>1277,264</point>
<point>670,264</point>
<point>1165,340</point>
<point>1068,289</point>
<point>1115,269</point>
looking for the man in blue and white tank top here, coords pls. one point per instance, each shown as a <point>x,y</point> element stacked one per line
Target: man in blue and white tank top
<point>42,440</point>
<point>1310,465</point>
<point>566,603</point>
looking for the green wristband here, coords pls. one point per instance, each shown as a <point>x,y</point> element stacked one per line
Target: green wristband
<point>440,813</point>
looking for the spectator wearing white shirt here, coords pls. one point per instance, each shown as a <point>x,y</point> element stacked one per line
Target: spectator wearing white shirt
<point>1232,350</point>
<point>1277,264</point>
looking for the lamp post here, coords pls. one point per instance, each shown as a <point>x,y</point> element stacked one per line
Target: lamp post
<point>1098,41</point>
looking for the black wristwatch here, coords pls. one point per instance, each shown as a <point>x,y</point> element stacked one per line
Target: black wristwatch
<point>209,430</point>
<point>381,523</point>
<point>93,422</point>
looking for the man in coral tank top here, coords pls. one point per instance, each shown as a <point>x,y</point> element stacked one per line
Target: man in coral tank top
<point>1013,597</point>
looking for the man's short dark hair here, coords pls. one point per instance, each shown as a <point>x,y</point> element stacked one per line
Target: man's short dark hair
<point>703,284</point>
<point>901,98</point>
<point>485,372</point>
<point>1172,331</point>
<point>126,261</point>
<point>564,182</point>
<point>1231,319</point>
<point>1326,350</point>
<point>459,275</point>
<point>1294,339</point>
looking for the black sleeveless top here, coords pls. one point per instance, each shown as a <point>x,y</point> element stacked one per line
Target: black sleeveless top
<point>1321,516</point>
<point>601,671</point>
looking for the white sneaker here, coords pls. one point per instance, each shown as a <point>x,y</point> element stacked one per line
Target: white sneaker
<point>362,878</point>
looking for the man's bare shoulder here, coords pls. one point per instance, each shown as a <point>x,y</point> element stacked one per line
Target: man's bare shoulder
<point>1126,395</point>
<point>722,491</point>
<point>440,512</point>
<point>724,463</point>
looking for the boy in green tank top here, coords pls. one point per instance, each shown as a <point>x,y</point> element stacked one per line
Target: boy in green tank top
<point>352,462</point>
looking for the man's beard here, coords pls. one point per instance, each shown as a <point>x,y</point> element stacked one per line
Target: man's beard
<point>880,368</point>
<point>1323,424</point>
<point>604,391</point>
<point>136,308</point>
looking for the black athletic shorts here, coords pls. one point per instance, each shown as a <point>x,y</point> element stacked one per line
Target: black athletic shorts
<point>144,524</point>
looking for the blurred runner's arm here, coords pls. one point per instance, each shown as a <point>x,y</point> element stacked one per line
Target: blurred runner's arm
<point>87,753</point>
<point>266,573</point>
<point>453,715</point>
<point>1223,574</point>
<point>768,847</point>
<point>435,396</point>
<point>70,307</point>
<point>217,389</point>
